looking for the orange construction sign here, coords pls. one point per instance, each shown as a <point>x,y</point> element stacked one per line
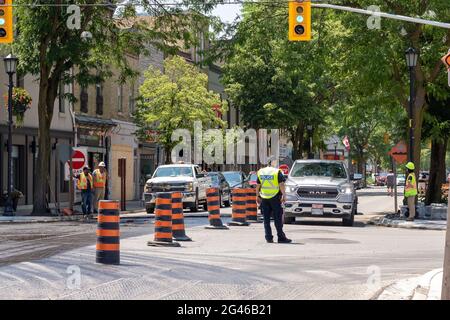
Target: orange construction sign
<point>399,152</point>
<point>446,60</point>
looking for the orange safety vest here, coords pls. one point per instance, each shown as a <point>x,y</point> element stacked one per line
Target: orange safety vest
<point>99,179</point>
<point>82,181</point>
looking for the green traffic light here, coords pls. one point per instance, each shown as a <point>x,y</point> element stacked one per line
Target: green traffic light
<point>300,19</point>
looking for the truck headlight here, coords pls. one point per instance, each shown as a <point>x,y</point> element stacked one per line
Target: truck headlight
<point>290,188</point>
<point>347,190</point>
<point>149,188</point>
<point>190,186</point>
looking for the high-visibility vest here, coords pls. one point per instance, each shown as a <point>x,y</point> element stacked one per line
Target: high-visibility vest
<point>411,186</point>
<point>99,179</point>
<point>269,182</point>
<point>82,181</point>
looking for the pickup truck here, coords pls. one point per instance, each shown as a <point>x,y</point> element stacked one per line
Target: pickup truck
<point>185,178</point>
<point>320,188</point>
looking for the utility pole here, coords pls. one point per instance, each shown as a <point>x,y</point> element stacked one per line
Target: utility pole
<point>446,277</point>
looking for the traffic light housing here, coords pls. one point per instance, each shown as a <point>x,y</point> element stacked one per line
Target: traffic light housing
<point>300,20</point>
<point>6,21</point>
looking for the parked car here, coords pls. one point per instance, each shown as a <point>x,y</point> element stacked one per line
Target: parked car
<point>401,179</point>
<point>185,178</point>
<point>236,179</point>
<point>380,179</point>
<point>320,188</point>
<point>253,179</point>
<point>358,181</point>
<point>219,181</point>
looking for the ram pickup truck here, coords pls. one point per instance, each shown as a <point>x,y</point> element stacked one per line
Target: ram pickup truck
<point>185,178</point>
<point>320,188</point>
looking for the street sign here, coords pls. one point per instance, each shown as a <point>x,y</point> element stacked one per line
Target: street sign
<point>79,157</point>
<point>399,152</point>
<point>78,160</point>
<point>284,168</point>
<point>446,60</point>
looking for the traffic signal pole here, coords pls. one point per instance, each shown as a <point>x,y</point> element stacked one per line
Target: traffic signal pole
<point>382,14</point>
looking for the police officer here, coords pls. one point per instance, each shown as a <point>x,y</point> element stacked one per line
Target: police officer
<point>411,190</point>
<point>271,194</point>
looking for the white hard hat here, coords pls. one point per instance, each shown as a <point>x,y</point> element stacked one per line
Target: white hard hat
<point>101,164</point>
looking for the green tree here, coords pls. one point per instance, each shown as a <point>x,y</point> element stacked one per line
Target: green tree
<point>174,100</point>
<point>52,52</point>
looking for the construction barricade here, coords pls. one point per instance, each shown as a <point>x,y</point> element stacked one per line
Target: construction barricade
<point>213,201</point>
<point>108,233</point>
<point>178,227</point>
<point>163,221</point>
<point>252,207</point>
<point>238,215</point>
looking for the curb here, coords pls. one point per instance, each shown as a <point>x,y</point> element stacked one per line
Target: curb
<point>394,223</point>
<point>425,287</point>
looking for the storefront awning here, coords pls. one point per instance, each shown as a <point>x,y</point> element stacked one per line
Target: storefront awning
<point>87,121</point>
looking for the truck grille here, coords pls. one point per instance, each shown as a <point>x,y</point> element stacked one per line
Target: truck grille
<point>318,193</point>
<point>168,187</point>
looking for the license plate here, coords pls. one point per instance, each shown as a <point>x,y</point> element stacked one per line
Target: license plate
<point>317,212</point>
<point>317,206</point>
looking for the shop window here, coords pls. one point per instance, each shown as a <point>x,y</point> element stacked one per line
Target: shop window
<point>120,98</point>
<point>63,185</point>
<point>84,97</point>
<point>99,98</point>
<point>18,168</point>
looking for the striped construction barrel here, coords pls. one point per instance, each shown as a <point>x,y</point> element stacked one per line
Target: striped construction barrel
<point>108,232</point>
<point>238,215</point>
<point>178,227</point>
<point>213,201</point>
<point>252,206</point>
<point>163,221</point>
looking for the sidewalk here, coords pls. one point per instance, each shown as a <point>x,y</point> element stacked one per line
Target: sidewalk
<point>125,216</point>
<point>425,287</point>
<point>395,221</point>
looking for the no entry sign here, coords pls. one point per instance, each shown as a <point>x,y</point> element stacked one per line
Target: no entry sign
<point>284,168</point>
<point>78,160</point>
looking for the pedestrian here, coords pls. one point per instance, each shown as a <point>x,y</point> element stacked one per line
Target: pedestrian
<point>411,190</point>
<point>390,183</point>
<point>85,184</point>
<point>100,175</point>
<point>271,194</point>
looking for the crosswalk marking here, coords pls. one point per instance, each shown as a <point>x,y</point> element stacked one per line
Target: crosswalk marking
<point>24,250</point>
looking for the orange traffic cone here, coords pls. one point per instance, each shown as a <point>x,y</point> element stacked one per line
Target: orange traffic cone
<point>213,200</point>
<point>178,228</point>
<point>252,207</point>
<point>163,221</point>
<point>108,233</point>
<point>238,216</point>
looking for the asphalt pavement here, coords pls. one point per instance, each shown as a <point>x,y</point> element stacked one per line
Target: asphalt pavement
<point>326,260</point>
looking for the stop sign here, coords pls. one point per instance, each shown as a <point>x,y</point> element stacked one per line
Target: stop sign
<point>78,160</point>
<point>284,168</point>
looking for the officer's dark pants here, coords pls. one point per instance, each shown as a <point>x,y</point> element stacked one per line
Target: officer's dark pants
<point>272,208</point>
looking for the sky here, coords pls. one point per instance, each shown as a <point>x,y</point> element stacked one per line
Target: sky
<point>227,13</point>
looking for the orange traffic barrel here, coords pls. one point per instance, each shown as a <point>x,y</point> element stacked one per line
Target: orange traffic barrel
<point>108,232</point>
<point>163,221</point>
<point>238,215</point>
<point>252,207</point>
<point>178,228</point>
<point>213,201</point>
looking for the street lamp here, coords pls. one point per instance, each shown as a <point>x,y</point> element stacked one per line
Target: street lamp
<point>411,61</point>
<point>10,68</point>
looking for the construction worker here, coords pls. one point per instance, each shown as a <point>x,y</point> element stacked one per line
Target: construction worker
<point>271,194</point>
<point>85,184</point>
<point>411,190</point>
<point>100,176</point>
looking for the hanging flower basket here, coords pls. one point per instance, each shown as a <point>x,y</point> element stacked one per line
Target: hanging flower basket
<point>21,102</point>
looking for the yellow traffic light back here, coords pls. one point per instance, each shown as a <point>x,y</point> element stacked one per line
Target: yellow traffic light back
<point>6,21</point>
<point>300,20</point>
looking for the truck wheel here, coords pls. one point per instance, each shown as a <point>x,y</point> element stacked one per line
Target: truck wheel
<point>194,208</point>
<point>289,220</point>
<point>227,204</point>
<point>150,210</point>
<point>348,222</point>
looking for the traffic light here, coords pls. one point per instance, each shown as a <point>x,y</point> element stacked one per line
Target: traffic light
<point>6,21</point>
<point>300,20</point>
